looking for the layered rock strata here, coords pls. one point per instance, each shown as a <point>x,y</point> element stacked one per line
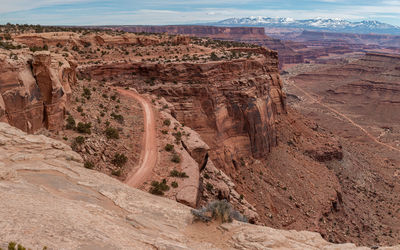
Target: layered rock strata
<point>34,89</point>
<point>232,104</point>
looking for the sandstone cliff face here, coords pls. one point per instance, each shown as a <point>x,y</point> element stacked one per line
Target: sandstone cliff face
<point>232,104</point>
<point>99,212</point>
<point>34,89</point>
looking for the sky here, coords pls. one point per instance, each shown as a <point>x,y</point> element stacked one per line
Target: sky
<point>162,12</point>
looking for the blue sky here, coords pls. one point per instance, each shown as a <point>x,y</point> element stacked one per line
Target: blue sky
<point>89,12</point>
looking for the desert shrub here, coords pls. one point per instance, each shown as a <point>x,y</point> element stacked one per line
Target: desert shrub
<point>119,118</point>
<point>174,184</point>
<point>176,173</point>
<point>84,128</point>
<point>88,164</point>
<point>70,122</point>
<point>86,93</point>
<point>169,147</point>
<point>218,210</point>
<point>79,140</point>
<point>209,187</point>
<point>112,133</point>
<point>164,131</point>
<point>167,122</point>
<point>206,176</point>
<point>119,160</point>
<point>214,57</point>
<point>104,95</point>
<point>116,172</point>
<point>114,97</point>
<point>13,246</point>
<point>178,136</point>
<point>158,188</point>
<point>79,109</point>
<point>35,48</point>
<point>175,158</point>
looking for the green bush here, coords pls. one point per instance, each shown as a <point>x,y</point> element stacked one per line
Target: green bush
<point>176,173</point>
<point>86,93</point>
<point>84,128</point>
<point>79,140</point>
<point>119,118</point>
<point>158,188</point>
<point>79,109</point>
<point>169,147</point>
<point>174,184</point>
<point>209,187</point>
<point>70,122</point>
<point>165,132</point>
<point>112,133</point>
<point>167,122</point>
<point>175,158</point>
<point>178,136</point>
<point>116,172</point>
<point>119,160</point>
<point>89,164</point>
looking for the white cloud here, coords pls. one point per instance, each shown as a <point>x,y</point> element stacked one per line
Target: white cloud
<point>21,5</point>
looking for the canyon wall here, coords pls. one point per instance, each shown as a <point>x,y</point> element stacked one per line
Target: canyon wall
<point>232,104</point>
<point>34,89</point>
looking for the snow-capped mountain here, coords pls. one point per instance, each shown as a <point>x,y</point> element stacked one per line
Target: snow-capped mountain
<point>336,25</point>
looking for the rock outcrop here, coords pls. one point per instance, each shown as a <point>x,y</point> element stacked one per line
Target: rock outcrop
<point>232,104</point>
<point>41,179</point>
<point>34,89</point>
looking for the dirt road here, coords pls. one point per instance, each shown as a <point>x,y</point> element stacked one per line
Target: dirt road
<point>148,156</point>
<point>317,100</point>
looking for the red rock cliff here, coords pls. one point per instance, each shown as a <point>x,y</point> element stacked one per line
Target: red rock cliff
<point>34,89</point>
<point>232,104</point>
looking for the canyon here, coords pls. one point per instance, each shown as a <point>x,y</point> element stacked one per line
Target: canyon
<point>279,147</point>
<point>294,45</point>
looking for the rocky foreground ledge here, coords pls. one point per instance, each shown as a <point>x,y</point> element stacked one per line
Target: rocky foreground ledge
<point>48,199</point>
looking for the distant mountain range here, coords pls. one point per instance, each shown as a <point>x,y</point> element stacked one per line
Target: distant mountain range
<point>320,24</point>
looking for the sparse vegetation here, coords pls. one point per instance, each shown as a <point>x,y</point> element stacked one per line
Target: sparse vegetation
<point>158,188</point>
<point>209,187</point>
<point>167,122</point>
<point>84,128</point>
<point>86,93</point>
<point>169,147</point>
<point>119,118</point>
<point>89,165</point>
<point>119,160</point>
<point>218,210</point>
<point>176,158</point>
<point>174,184</point>
<point>70,122</point>
<point>176,173</point>
<point>112,133</point>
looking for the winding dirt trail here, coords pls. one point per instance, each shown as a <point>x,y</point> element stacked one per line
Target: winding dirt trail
<point>317,100</point>
<point>148,156</point>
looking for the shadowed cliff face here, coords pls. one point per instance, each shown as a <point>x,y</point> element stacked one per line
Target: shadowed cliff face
<point>34,90</point>
<point>232,104</point>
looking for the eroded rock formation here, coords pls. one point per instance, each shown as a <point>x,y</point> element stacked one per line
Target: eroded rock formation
<point>104,212</point>
<point>232,104</point>
<point>34,89</point>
